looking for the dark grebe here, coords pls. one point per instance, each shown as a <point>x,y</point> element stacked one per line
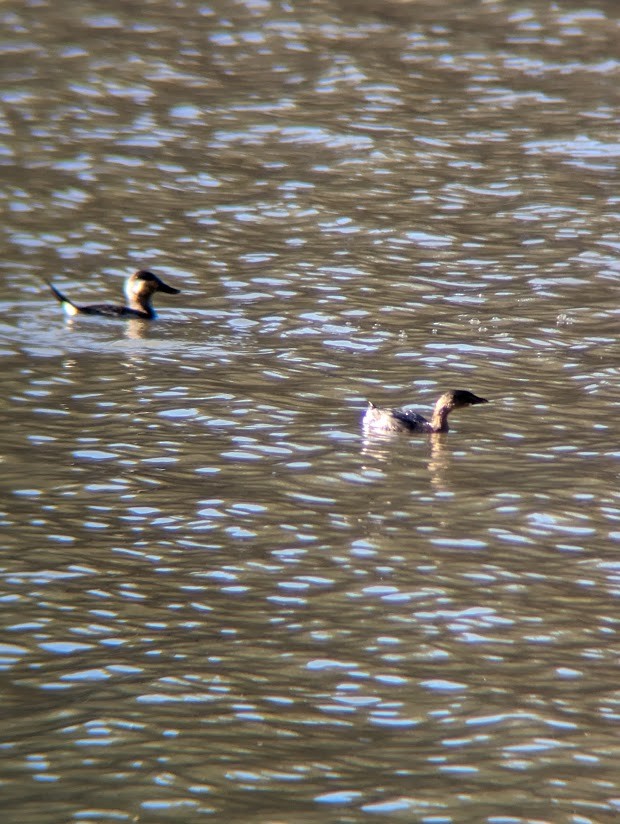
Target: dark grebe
<point>388,421</point>
<point>139,288</point>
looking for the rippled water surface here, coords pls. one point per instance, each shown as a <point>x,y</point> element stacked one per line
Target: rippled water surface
<point>221,601</point>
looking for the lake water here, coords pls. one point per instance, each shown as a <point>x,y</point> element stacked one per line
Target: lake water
<point>220,601</point>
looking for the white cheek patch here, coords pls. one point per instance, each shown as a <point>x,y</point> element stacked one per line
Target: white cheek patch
<point>70,309</point>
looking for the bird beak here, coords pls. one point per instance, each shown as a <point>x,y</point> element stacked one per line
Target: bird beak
<point>169,290</point>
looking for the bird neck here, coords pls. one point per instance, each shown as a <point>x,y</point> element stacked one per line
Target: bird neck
<point>439,421</point>
<point>141,302</point>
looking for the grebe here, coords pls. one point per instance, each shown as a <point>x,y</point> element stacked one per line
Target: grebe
<point>388,421</point>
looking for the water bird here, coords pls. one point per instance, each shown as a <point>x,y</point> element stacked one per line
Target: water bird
<point>139,289</point>
<point>377,421</point>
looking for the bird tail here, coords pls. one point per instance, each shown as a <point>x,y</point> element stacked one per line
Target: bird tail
<point>68,305</point>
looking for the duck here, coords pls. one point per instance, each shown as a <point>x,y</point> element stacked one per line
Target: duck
<point>377,421</point>
<point>139,289</point>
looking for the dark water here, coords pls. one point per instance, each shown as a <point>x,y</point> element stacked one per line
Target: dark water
<point>219,600</point>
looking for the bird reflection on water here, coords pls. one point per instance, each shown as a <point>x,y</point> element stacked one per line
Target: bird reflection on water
<point>382,425</point>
